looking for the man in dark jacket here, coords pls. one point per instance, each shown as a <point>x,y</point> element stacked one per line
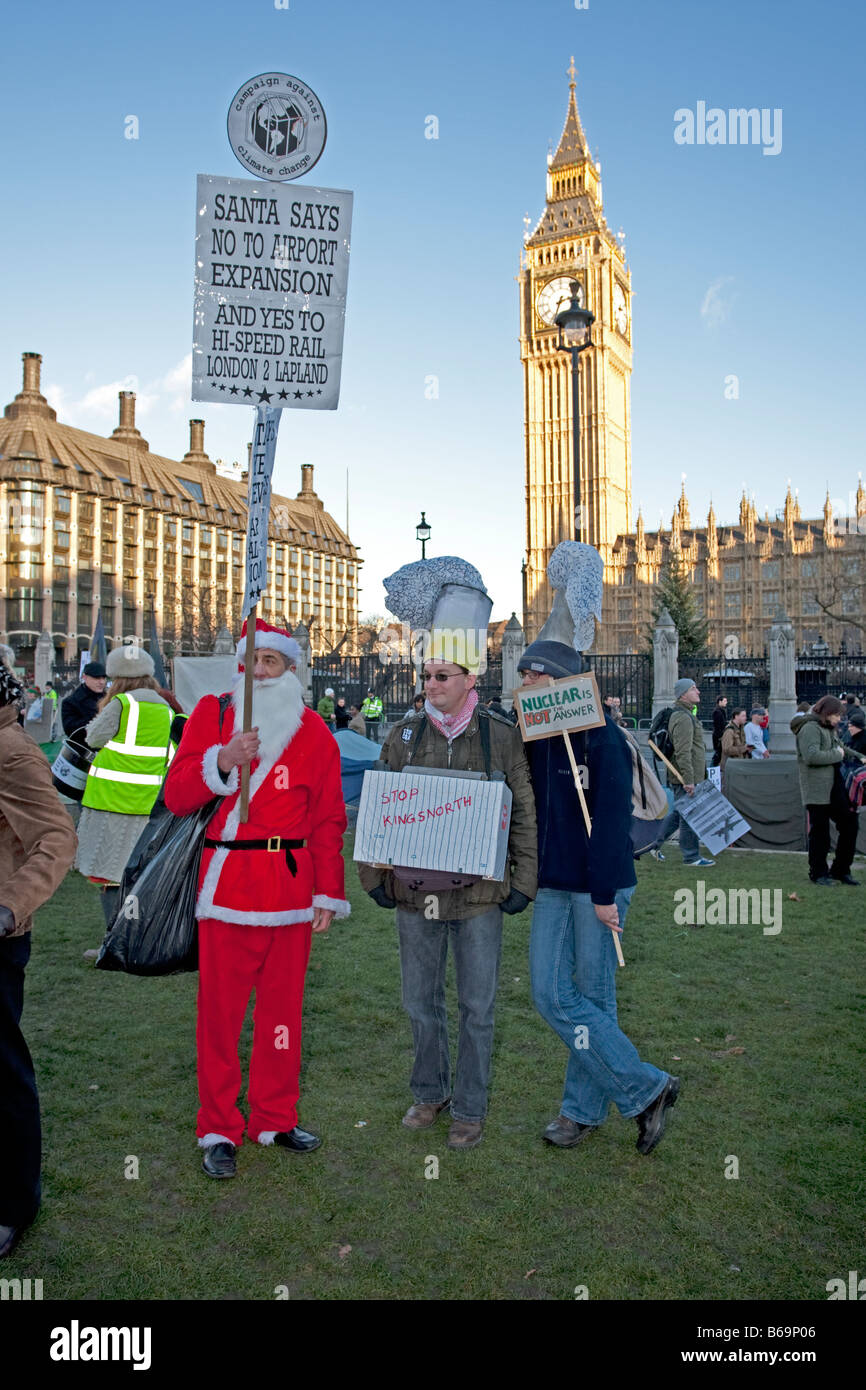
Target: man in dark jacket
<point>857,731</point>
<point>585,885</point>
<point>720,723</point>
<point>82,705</point>
<point>690,760</point>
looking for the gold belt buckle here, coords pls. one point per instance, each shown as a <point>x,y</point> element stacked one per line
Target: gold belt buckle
<point>273,843</point>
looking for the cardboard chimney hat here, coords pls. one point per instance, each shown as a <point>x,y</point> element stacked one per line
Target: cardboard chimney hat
<point>444,598</point>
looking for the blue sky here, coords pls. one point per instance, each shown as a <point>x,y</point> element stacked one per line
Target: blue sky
<point>741,263</point>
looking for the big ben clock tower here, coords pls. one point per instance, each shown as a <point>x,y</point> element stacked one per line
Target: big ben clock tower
<point>573,242</point>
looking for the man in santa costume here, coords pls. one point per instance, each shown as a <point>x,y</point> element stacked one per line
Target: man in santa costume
<point>270,884</point>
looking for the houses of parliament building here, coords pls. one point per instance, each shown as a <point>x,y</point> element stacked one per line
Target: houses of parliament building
<point>91,525</point>
<point>743,574</point>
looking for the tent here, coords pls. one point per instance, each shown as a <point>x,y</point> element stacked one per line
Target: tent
<point>357,754</point>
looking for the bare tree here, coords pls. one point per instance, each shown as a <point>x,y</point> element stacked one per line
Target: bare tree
<point>842,595</point>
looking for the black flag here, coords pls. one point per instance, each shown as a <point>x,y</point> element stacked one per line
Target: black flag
<point>156,654</point>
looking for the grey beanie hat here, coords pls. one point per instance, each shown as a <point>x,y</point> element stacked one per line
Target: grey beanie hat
<point>683,684</point>
<point>551,659</point>
<point>128,661</point>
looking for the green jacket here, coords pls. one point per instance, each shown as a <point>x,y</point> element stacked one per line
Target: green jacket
<point>372,707</point>
<point>325,708</point>
<point>819,752</point>
<point>465,753</point>
<point>690,755</point>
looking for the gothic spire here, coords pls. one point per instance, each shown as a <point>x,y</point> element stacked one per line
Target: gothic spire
<point>572,147</point>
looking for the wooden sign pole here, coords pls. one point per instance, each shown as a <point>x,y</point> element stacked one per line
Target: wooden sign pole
<point>670,767</point>
<point>588,823</point>
<point>249,666</point>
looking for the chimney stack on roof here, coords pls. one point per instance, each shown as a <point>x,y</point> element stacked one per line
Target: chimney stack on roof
<point>126,431</point>
<point>195,453</point>
<point>30,398</point>
<point>306,493</point>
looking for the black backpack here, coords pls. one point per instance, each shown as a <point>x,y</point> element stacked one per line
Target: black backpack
<point>659,733</point>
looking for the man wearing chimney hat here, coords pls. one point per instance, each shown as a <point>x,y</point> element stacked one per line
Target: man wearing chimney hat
<point>585,883</point>
<point>265,887</point>
<point>445,597</point>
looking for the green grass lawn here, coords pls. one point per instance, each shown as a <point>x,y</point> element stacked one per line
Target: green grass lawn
<point>115,1059</point>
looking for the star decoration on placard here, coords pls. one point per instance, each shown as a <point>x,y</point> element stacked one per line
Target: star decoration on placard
<point>264,396</point>
<point>233,391</point>
<point>284,395</point>
<point>298,395</point>
<point>248,390</point>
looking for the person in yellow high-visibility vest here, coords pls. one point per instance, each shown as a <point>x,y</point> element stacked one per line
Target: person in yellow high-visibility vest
<point>371,711</point>
<point>131,732</point>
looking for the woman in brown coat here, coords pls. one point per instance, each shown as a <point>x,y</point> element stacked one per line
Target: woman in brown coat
<point>37,846</point>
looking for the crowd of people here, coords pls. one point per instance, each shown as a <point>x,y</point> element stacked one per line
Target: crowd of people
<point>268,883</point>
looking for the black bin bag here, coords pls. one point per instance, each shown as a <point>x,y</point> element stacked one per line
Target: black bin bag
<point>155,931</point>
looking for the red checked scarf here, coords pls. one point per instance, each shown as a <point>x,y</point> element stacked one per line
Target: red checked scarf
<point>452,724</point>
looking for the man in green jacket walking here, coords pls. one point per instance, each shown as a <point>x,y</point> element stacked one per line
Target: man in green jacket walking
<point>690,760</point>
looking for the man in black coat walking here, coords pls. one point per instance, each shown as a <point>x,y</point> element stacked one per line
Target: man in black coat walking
<point>82,705</point>
<point>720,723</point>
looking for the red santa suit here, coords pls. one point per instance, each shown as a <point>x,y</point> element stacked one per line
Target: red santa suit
<point>254,913</point>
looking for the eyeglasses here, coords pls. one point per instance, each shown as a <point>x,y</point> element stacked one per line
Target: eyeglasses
<point>441,675</point>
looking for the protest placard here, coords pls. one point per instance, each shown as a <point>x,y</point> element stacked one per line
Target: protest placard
<point>564,706</point>
<point>271,273</point>
<point>427,820</point>
<point>561,706</point>
<point>259,504</point>
<point>712,817</point>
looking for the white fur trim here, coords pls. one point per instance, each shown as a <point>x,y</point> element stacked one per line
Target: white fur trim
<point>275,641</point>
<point>272,741</point>
<point>212,776</point>
<point>338,906</point>
<point>208,1139</point>
<point>244,917</point>
<point>267,1136</point>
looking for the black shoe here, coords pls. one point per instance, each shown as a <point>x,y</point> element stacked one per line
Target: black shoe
<point>846,878</point>
<point>219,1161</point>
<point>651,1122</point>
<point>298,1140</point>
<point>825,881</point>
<point>9,1238</point>
<point>565,1133</point>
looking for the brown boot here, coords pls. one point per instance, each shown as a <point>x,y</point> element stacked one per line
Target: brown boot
<point>464,1134</point>
<point>423,1116</point>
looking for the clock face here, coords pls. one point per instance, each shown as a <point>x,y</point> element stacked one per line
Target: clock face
<point>550,297</point>
<point>620,312</point>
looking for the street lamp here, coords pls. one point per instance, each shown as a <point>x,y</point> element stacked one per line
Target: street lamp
<point>422,532</point>
<point>575,325</point>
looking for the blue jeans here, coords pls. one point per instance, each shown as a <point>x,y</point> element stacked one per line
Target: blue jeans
<point>476,943</point>
<point>689,843</point>
<point>572,964</point>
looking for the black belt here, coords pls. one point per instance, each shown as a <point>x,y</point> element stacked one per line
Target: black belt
<point>274,843</point>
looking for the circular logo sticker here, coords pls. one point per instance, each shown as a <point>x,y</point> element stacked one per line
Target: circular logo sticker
<point>276,126</point>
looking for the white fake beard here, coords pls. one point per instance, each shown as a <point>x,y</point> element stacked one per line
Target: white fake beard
<point>278,707</point>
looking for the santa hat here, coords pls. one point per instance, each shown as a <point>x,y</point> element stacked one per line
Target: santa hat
<point>277,639</point>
